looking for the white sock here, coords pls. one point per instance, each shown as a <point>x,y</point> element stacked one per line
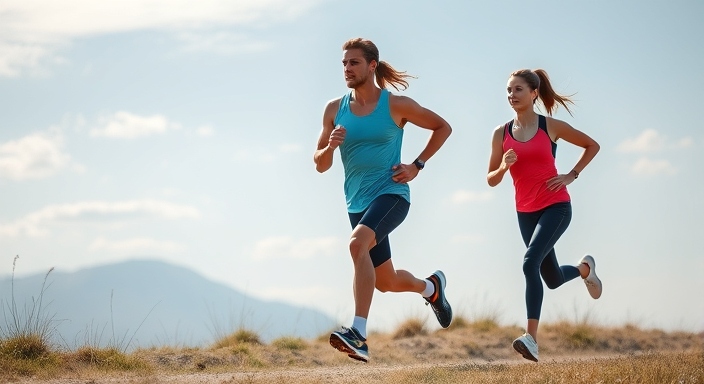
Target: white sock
<point>360,324</point>
<point>429,289</point>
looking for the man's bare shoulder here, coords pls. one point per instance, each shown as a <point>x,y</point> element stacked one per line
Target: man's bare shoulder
<point>331,109</point>
<point>333,105</point>
<point>400,99</point>
<point>335,101</point>
<point>403,105</point>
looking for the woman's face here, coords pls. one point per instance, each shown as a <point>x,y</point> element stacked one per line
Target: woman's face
<point>519,94</point>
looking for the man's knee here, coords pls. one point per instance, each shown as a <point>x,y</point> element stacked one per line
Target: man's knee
<point>359,247</point>
<point>356,245</point>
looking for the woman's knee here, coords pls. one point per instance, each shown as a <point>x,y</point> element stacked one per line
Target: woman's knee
<point>530,267</point>
<point>552,283</point>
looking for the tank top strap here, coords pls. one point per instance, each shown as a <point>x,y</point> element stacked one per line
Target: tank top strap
<point>508,128</point>
<point>543,123</point>
<point>383,103</point>
<point>343,107</point>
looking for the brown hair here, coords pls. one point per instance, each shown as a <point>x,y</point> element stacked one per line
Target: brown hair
<point>385,73</point>
<point>538,79</point>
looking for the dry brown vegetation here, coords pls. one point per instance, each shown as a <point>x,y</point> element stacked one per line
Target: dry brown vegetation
<point>469,351</point>
<point>476,351</point>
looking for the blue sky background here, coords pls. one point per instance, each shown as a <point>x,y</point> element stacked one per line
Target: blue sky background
<point>185,132</point>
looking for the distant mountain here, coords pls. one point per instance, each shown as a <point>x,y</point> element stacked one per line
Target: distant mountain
<point>154,303</point>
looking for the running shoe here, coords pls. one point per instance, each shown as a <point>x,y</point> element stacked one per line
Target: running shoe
<point>349,341</point>
<point>592,282</point>
<point>437,301</point>
<point>527,347</point>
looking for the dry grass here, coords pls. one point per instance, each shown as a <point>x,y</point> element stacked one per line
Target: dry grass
<point>241,336</point>
<point>476,351</point>
<point>648,368</point>
<point>290,343</point>
<point>107,359</point>
<point>410,328</point>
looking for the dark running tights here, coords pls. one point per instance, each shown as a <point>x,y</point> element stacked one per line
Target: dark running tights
<point>540,231</point>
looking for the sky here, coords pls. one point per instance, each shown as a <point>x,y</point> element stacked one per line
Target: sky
<point>184,132</point>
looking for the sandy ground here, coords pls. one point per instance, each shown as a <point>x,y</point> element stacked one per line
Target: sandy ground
<point>338,374</point>
<point>355,373</point>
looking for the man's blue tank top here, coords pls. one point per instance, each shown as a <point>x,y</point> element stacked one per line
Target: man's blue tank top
<point>371,147</point>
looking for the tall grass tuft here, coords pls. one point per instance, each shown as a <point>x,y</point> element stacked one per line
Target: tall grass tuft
<point>411,327</point>
<point>26,332</point>
<point>485,325</point>
<point>108,359</point>
<point>241,336</point>
<point>459,322</point>
<point>290,343</point>
<point>576,336</point>
<point>93,336</point>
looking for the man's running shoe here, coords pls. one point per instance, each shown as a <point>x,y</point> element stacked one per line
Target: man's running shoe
<point>438,302</point>
<point>592,282</point>
<point>527,347</point>
<point>349,340</point>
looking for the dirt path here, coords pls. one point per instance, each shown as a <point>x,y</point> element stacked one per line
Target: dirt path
<point>338,374</point>
<point>357,373</point>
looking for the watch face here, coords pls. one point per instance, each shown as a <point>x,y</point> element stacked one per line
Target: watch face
<point>419,163</point>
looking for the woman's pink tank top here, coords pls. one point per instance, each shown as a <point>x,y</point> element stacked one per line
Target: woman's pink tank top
<point>534,167</point>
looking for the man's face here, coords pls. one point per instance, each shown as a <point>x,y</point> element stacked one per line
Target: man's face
<point>356,69</point>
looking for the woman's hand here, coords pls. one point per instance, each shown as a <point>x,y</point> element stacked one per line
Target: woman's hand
<point>509,159</point>
<point>403,173</point>
<point>560,181</point>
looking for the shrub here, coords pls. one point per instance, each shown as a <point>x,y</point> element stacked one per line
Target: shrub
<point>290,343</point>
<point>108,358</point>
<point>409,328</point>
<point>238,337</point>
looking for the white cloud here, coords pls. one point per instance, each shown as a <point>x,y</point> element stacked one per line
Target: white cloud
<point>287,247</point>
<point>463,196</point>
<point>686,142</point>
<point>205,131</point>
<point>135,245</point>
<point>34,223</point>
<point>34,31</point>
<point>125,125</point>
<point>35,156</point>
<point>651,141</point>
<point>16,57</point>
<point>647,167</point>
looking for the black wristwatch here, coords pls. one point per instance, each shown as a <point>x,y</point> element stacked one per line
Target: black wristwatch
<point>420,164</point>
